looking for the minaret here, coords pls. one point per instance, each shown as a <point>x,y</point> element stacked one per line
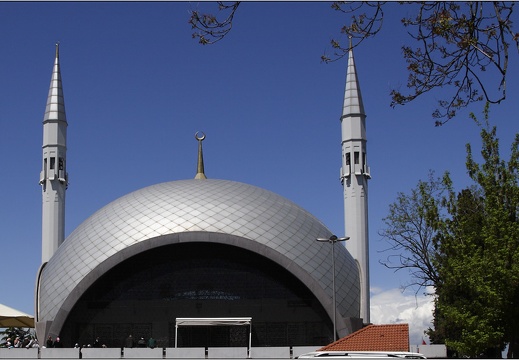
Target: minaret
<point>54,177</point>
<point>354,177</point>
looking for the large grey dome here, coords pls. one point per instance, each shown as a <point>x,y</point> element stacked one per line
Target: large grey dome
<point>196,211</point>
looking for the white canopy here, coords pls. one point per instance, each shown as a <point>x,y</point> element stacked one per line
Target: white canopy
<point>10,317</point>
<point>213,321</point>
<point>236,321</point>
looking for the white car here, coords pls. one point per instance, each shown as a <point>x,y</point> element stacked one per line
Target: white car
<point>361,355</point>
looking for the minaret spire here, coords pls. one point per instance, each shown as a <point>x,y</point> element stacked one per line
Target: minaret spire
<point>54,177</point>
<point>354,177</point>
<point>353,105</point>
<point>200,173</point>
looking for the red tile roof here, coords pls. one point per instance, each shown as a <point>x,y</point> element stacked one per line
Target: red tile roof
<point>393,337</point>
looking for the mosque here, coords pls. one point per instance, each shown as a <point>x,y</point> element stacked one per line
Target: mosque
<point>215,251</point>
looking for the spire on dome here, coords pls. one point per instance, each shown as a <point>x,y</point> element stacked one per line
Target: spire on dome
<point>55,109</point>
<point>352,97</point>
<point>200,174</point>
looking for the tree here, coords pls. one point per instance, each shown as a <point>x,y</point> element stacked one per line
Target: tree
<point>466,245</point>
<point>478,254</point>
<point>499,183</point>
<point>460,48</point>
<point>410,228</point>
<point>466,312</point>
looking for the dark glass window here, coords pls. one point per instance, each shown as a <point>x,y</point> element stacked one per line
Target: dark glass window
<point>145,294</point>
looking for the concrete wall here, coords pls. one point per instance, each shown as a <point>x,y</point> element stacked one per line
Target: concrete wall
<point>433,351</point>
<point>159,353</point>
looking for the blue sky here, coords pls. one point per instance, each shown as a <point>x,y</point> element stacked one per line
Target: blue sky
<point>137,87</point>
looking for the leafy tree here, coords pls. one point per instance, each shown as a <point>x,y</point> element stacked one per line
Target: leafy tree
<point>466,310</point>
<point>479,253</point>
<point>460,48</point>
<point>499,184</point>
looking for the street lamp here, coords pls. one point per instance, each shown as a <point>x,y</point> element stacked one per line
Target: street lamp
<point>332,240</point>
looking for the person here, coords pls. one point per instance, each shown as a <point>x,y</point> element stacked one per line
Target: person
<point>17,342</point>
<point>26,340</point>
<point>33,343</point>
<point>152,343</point>
<point>57,343</point>
<point>97,342</point>
<point>129,342</point>
<point>141,343</point>
<point>49,343</point>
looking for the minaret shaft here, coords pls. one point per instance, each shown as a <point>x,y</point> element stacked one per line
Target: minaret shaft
<point>53,176</point>
<point>355,173</point>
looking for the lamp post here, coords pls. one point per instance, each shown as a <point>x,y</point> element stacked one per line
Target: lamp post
<point>332,240</point>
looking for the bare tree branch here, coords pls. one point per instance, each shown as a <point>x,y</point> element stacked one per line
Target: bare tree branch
<point>462,48</point>
<point>410,230</point>
<point>208,29</point>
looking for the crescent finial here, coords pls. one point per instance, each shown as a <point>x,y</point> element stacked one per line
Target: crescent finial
<point>200,138</point>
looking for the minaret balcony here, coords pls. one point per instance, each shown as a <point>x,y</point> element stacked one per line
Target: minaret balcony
<point>367,172</point>
<point>346,173</point>
<point>363,170</point>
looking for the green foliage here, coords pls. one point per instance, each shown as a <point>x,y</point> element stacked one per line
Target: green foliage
<point>478,253</point>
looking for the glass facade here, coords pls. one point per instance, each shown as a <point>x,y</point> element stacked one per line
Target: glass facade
<point>144,295</point>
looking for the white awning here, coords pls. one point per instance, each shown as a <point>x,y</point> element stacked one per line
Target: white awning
<point>213,321</point>
<point>236,321</point>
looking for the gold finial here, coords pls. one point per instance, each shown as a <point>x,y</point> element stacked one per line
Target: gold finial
<point>200,174</point>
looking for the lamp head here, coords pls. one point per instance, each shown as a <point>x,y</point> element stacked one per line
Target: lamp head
<point>333,239</point>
